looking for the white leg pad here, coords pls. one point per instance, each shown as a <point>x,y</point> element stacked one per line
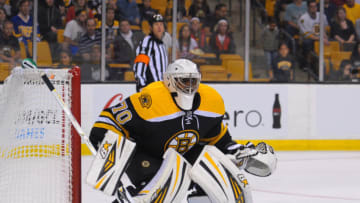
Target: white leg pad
<point>171,182</point>
<point>219,177</point>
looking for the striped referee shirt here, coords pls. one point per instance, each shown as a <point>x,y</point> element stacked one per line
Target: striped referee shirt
<point>150,62</point>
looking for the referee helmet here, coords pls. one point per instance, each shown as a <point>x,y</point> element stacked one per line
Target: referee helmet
<point>156,18</point>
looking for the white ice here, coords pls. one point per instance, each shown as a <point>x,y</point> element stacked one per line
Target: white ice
<point>301,177</point>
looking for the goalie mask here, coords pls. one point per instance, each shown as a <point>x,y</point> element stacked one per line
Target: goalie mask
<point>182,78</point>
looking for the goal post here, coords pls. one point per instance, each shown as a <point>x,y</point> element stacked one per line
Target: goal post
<point>76,139</point>
<point>40,151</point>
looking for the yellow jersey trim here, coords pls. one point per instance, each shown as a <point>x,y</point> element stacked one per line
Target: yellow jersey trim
<point>108,127</point>
<point>111,117</point>
<point>221,134</point>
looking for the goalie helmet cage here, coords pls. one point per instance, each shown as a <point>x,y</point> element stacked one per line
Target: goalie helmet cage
<point>40,151</point>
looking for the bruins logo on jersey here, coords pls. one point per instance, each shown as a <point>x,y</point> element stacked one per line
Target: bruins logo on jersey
<point>183,141</point>
<point>145,100</point>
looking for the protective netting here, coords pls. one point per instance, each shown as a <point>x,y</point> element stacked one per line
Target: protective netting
<point>35,139</point>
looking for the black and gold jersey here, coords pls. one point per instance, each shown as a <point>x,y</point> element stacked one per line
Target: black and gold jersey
<point>152,119</point>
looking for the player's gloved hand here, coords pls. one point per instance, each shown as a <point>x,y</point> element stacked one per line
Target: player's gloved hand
<point>239,154</point>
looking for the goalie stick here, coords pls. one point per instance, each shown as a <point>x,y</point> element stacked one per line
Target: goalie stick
<point>30,64</point>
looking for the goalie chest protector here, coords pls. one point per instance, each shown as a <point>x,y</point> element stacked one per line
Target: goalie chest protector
<point>152,118</point>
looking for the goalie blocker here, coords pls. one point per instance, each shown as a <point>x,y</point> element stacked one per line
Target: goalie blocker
<point>110,163</point>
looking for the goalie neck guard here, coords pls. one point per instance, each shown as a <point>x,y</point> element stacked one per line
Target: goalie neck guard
<point>182,78</point>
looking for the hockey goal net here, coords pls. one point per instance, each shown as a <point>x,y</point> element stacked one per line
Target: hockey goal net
<point>39,151</point>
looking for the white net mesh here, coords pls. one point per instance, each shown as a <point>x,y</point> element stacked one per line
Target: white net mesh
<point>35,139</point>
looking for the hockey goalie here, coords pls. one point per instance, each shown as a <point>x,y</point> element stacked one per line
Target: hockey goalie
<point>168,143</point>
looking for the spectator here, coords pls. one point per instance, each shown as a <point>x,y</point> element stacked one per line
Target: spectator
<point>6,7</point>
<point>3,18</point>
<point>343,74</point>
<point>279,13</point>
<point>167,40</point>
<point>112,4</point>
<point>78,5</point>
<point>23,24</point>
<point>339,2</point>
<point>270,37</point>
<point>74,30</point>
<point>181,12</point>
<point>89,39</point>
<point>198,34</point>
<point>146,12</point>
<point>111,26</point>
<point>65,59</point>
<point>129,10</point>
<point>355,57</point>
<point>212,20</point>
<point>49,22</point>
<point>62,10</point>
<point>185,44</point>
<point>347,66</point>
<point>357,29</point>
<point>221,41</point>
<point>94,4</point>
<point>292,14</point>
<point>352,10</point>
<point>64,3</point>
<point>329,10</point>
<point>310,29</point>
<point>342,29</point>
<point>200,9</point>
<point>15,7</point>
<point>282,69</point>
<point>9,46</point>
<point>91,70</point>
<point>125,44</point>
<point>151,58</point>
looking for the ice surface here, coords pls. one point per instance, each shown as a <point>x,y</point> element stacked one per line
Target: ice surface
<point>306,177</point>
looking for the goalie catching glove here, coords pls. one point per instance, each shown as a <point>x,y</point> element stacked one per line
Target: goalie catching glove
<point>239,154</point>
<point>259,160</point>
<point>264,162</point>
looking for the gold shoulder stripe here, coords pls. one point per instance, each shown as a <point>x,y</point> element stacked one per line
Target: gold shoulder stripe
<point>211,100</point>
<point>110,116</point>
<point>108,127</point>
<point>214,140</point>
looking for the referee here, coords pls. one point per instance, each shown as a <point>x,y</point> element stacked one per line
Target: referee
<point>151,56</point>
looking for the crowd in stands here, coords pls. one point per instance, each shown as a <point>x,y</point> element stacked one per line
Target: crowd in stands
<point>300,19</point>
<point>72,29</point>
